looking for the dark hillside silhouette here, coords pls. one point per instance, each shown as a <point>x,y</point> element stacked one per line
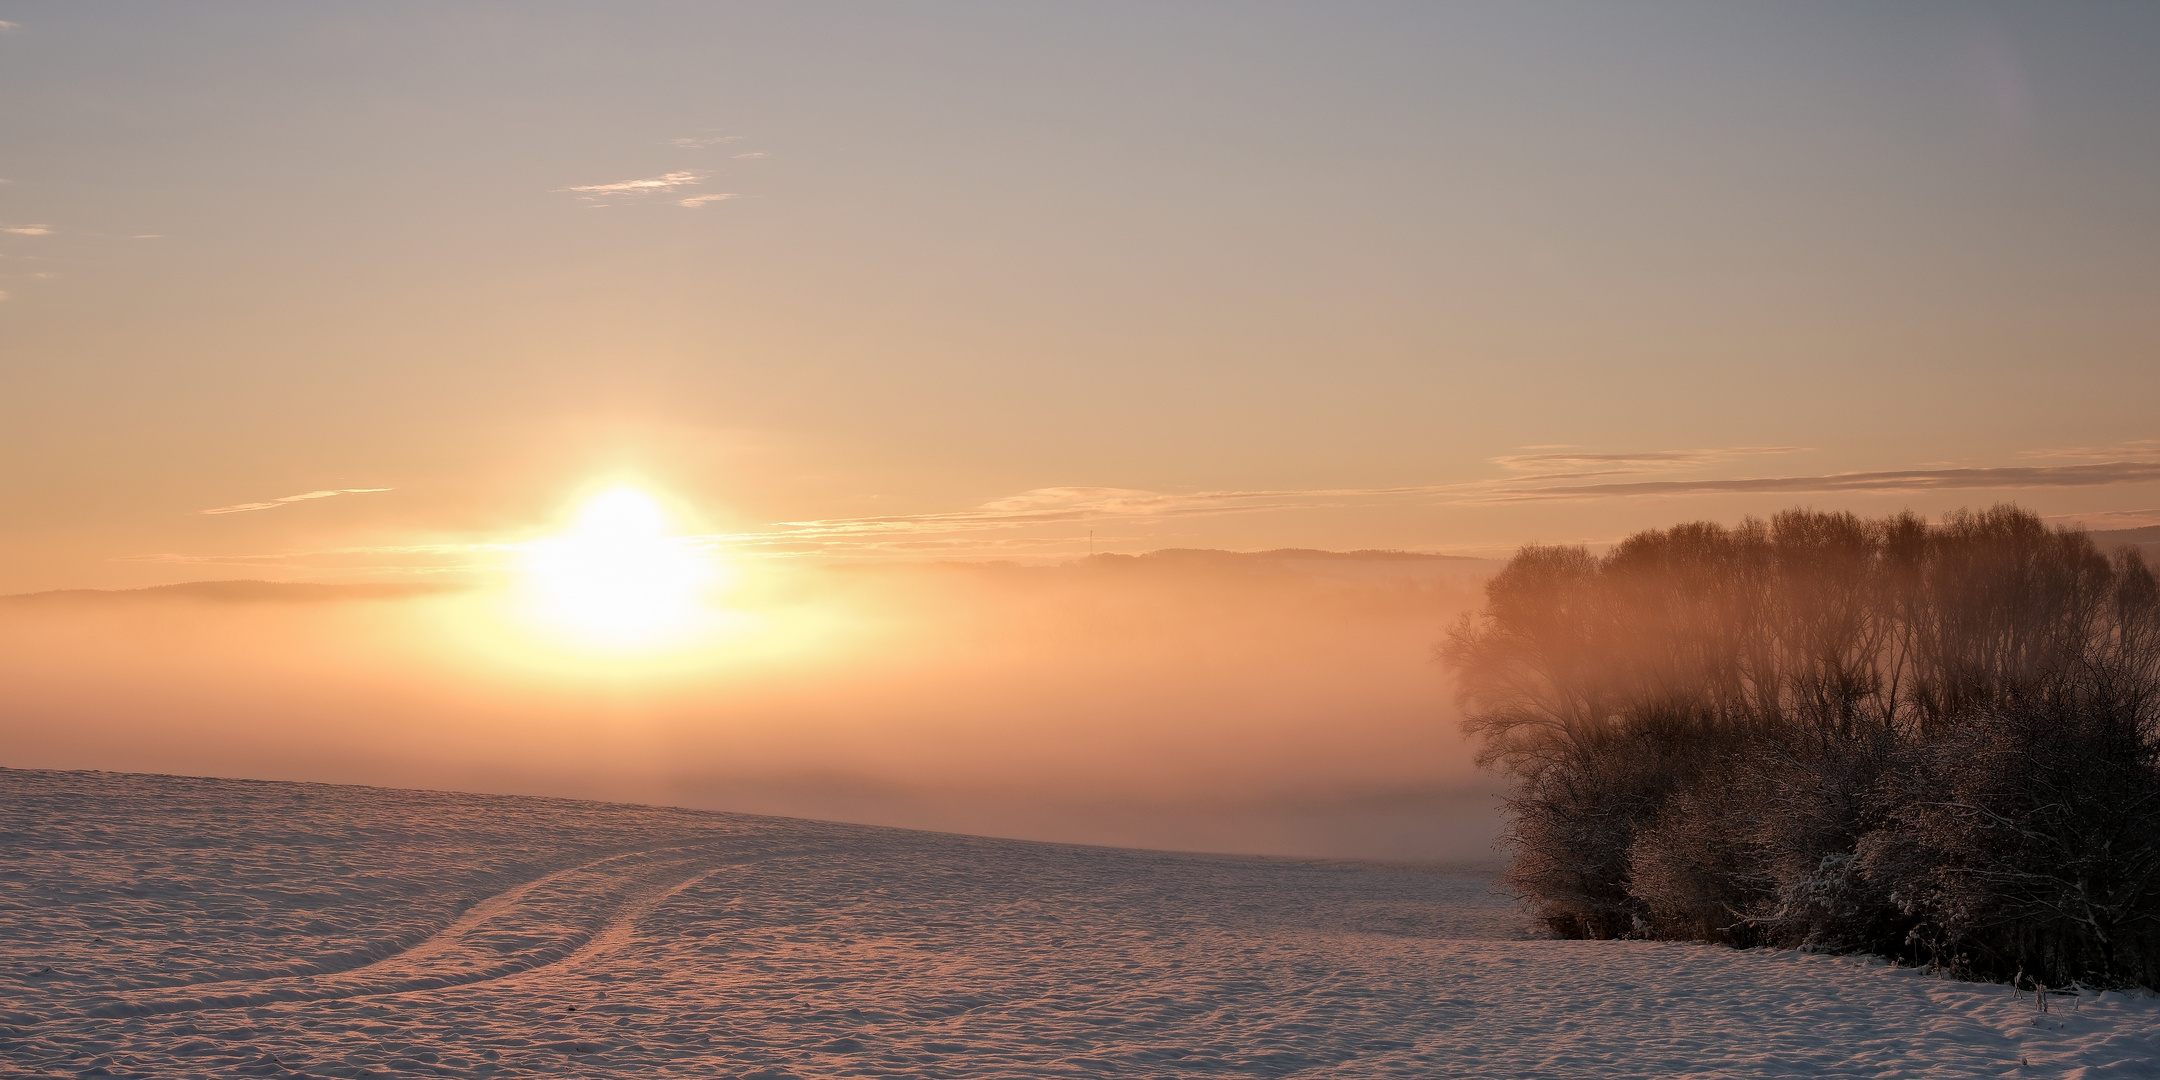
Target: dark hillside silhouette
<point>1937,743</point>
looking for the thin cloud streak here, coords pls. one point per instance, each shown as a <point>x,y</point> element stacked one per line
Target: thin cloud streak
<point>2032,476</point>
<point>1641,461</point>
<point>1045,505</point>
<point>2131,450</point>
<point>2108,520</point>
<point>28,230</point>
<point>666,184</point>
<point>241,508</point>
<point>650,185</point>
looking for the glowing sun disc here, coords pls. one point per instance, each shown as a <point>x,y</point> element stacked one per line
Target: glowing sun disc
<point>617,577</point>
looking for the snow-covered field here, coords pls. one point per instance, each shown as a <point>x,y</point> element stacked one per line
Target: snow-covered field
<point>156,926</point>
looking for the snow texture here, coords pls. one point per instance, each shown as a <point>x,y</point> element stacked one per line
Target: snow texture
<point>157,926</point>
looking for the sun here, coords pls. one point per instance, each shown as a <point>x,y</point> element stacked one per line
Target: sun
<point>618,577</point>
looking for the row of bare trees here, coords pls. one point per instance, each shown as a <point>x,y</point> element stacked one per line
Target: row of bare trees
<point>1939,743</point>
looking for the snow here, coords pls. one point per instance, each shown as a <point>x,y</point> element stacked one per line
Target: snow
<point>168,927</point>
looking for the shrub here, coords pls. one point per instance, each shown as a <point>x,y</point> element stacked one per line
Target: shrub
<point>1937,743</point>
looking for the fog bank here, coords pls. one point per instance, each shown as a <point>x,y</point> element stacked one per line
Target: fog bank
<point>1283,703</point>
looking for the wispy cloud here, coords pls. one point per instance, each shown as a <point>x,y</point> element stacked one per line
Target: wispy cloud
<point>1574,463</point>
<point>2105,520</point>
<point>2096,474</point>
<point>240,508</point>
<point>2134,449</point>
<point>700,142</point>
<point>6,26</point>
<point>27,230</point>
<point>752,155</point>
<point>1062,505</point>
<point>649,186</point>
<point>1573,458</point>
<point>666,184</point>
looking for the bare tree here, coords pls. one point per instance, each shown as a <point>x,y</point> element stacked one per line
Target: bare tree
<point>1934,742</point>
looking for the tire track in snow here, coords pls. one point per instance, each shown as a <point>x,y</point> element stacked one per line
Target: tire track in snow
<point>622,927</point>
<point>540,923</point>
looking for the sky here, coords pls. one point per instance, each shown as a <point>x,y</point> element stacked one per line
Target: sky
<point>846,300</point>
<point>855,282</point>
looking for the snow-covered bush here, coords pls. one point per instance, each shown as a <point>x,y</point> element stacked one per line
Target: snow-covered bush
<point>1940,743</point>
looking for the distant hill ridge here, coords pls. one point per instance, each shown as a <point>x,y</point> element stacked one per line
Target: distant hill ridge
<point>243,592</point>
<point>2145,538</point>
<point>304,592</point>
<point>1280,554</point>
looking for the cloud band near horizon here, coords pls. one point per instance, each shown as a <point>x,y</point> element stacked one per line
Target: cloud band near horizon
<point>1007,526</point>
<point>1070,503</point>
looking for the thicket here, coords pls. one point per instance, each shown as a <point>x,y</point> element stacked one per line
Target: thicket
<point>1936,743</point>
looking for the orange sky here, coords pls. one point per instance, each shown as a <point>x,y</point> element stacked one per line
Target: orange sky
<point>383,293</point>
<point>976,280</point>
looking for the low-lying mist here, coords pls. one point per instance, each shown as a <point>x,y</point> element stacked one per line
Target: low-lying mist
<point>1277,703</point>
